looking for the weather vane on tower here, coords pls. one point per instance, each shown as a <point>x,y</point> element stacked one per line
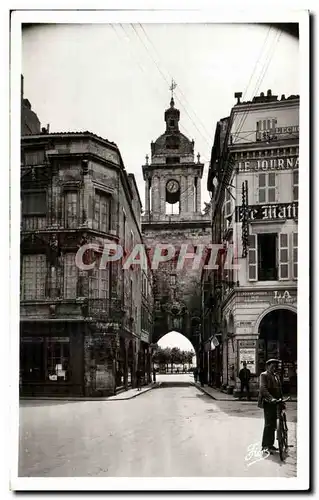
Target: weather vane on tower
<point>173,87</point>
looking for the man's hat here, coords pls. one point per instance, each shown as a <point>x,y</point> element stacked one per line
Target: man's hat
<point>272,360</point>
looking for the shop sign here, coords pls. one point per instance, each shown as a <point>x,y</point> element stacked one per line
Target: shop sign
<point>268,164</point>
<point>248,354</point>
<point>144,337</point>
<point>247,343</point>
<point>244,324</point>
<point>30,340</point>
<point>274,211</point>
<point>284,297</point>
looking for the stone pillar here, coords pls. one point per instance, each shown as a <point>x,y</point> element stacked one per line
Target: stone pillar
<point>147,197</point>
<point>190,193</point>
<point>198,197</point>
<point>162,195</point>
<point>156,195</point>
<point>183,200</point>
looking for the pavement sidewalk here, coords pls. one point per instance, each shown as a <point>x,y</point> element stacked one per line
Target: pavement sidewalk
<point>121,396</point>
<point>221,396</point>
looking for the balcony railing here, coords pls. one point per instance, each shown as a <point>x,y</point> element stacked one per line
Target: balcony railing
<point>33,223</point>
<point>104,309</point>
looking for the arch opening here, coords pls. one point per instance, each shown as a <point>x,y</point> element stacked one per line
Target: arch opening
<point>278,339</point>
<point>175,354</point>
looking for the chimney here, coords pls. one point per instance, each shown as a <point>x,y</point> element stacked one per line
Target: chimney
<point>283,97</point>
<point>238,95</point>
<point>269,93</point>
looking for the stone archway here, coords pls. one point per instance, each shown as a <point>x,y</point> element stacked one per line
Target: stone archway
<point>277,338</point>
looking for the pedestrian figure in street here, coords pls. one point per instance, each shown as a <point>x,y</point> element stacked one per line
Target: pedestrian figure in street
<point>244,376</point>
<point>154,375</point>
<point>138,379</point>
<point>195,375</point>
<point>201,377</point>
<point>269,392</point>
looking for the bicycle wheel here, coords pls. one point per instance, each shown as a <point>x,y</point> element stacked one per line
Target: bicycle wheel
<point>280,440</point>
<point>285,432</point>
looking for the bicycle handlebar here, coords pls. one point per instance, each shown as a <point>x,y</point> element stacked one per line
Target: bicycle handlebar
<point>282,400</point>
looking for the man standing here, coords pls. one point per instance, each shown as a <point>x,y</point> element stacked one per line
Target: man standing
<point>269,391</point>
<point>244,376</point>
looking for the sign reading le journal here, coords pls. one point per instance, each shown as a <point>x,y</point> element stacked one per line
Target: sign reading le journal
<point>273,211</point>
<point>268,164</point>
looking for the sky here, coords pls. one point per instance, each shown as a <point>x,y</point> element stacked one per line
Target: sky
<point>113,80</point>
<point>176,339</point>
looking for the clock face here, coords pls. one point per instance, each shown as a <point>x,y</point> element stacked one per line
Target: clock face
<point>172,186</point>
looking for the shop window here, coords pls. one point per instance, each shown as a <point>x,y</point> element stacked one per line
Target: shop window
<point>71,209</point>
<point>58,359</point>
<point>33,276</point>
<point>101,211</point>
<point>70,276</point>
<point>267,188</point>
<point>295,255</point>
<point>267,257</point>
<point>295,185</point>
<point>32,359</point>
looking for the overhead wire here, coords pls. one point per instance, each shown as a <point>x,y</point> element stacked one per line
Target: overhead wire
<point>179,90</point>
<point>168,82</point>
<point>259,82</point>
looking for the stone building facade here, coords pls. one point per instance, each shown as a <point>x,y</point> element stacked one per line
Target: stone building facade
<point>80,324</point>
<point>254,180</point>
<point>173,219</point>
<point>30,123</point>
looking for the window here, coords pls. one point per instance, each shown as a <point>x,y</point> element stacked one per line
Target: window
<point>99,283</point>
<point>58,358</point>
<point>124,232</point>
<point>101,211</point>
<point>70,276</point>
<point>267,188</point>
<point>295,185</point>
<point>266,129</point>
<point>34,203</point>
<point>170,160</point>
<point>267,257</point>
<point>71,209</point>
<point>173,279</point>
<point>171,123</point>
<point>228,204</point>
<point>131,297</point>
<point>33,276</point>
<point>295,255</point>
<point>283,257</point>
<point>34,157</point>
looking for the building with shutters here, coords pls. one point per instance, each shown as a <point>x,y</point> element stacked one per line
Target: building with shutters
<point>83,330</point>
<point>253,178</point>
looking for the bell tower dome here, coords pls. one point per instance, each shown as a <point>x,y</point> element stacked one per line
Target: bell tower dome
<point>172,176</point>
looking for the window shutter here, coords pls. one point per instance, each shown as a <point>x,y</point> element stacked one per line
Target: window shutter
<point>252,257</point>
<point>295,255</point>
<point>271,187</point>
<point>295,185</point>
<point>262,188</point>
<point>283,257</point>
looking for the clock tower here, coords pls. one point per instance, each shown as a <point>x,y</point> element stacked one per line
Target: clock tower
<point>173,216</point>
<point>172,177</point>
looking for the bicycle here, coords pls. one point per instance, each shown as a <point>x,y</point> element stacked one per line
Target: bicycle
<point>282,429</point>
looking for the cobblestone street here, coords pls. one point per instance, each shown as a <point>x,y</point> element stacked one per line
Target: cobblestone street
<point>174,430</point>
